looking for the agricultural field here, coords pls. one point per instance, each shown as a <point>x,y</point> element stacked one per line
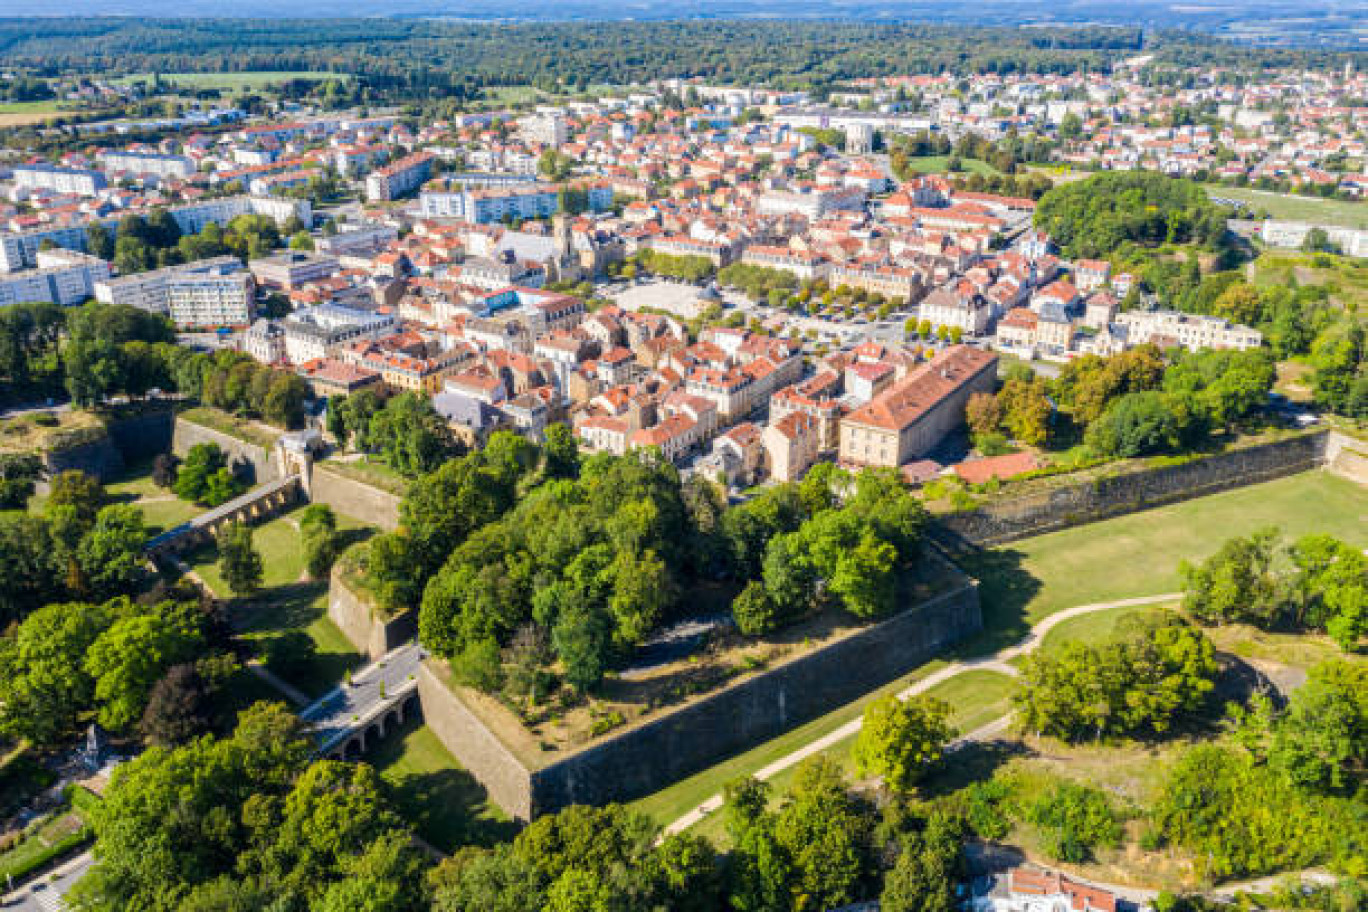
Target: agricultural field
<point>1296,208</point>
<point>22,113</point>
<point>232,82</point>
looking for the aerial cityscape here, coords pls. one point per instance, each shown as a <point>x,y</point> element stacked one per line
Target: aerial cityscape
<point>647,457</point>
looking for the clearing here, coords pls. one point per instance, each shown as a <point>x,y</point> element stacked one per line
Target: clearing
<point>1295,208</point>
<point>232,82</point>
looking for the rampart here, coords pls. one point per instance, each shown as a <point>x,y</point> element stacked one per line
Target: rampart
<point>639,760</point>
<point>1073,503</point>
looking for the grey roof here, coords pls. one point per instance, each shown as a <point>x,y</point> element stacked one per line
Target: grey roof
<point>466,411</point>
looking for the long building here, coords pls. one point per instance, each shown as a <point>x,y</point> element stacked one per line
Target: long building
<point>212,292</point>
<point>63,277</point>
<point>399,178</point>
<point>142,163</point>
<point>909,418</point>
<point>495,203</point>
<point>81,181</point>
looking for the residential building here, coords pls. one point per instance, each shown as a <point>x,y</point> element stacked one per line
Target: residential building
<point>1167,328</point>
<point>151,290</point>
<point>63,277</point>
<point>790,446</point>
<point>81,181</point>
<point>399,178</point>
<point>203,297</point>
<point>292,268</point>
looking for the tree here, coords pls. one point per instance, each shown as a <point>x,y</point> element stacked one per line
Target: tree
<point>1073,820</point>
<point>1134,425</point>
<point>1234,584</point>
<point>1026,410</point>
<point>205,477</point>
<point>177,707</point>
<point>164,470</point>
<point>44,686</point>
<point>902,740</point>
<point>74,488</point>
<point>923,878</point>
<point>754,611</point>
<point>318,531</point>
<point>128,658</point>
<point>239,561</point>
<point>583,641</point>
<point>983,414</point>
<point>560,452</point>
<point>29,567</point>
<point>111,553</point>
<point>284,402</point>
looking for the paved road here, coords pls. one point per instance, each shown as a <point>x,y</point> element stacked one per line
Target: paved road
<point>998,661</point>
<point>45,894</point>
<point>373,686</point>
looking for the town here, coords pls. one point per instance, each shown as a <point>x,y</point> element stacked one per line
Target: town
<point>929,488</point>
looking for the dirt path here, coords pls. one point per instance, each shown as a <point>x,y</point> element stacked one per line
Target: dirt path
<point>998,661</point>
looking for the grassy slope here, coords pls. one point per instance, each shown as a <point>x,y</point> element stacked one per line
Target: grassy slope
<point>443,802</point>
<point>1298,208</point>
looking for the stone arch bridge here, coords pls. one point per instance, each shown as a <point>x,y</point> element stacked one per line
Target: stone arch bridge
<point>257,504</point>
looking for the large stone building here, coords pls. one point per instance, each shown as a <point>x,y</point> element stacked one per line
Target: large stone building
<point>913,415</point>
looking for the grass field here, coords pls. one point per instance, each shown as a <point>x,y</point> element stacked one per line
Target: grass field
<point>444,803</point>
<point>1139,554</point>
<point>1092,628</point>
<point>940,164</point>
<point>1297,208</point>
<point>20,113</point>
<point>287,603</point>
<point>232,82</point>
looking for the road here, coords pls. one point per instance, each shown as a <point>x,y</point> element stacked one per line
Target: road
<point>45,894</point>
<point>998,661</point>
<point>336,711</point>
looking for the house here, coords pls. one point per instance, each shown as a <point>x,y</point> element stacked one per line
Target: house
<point>1026,889</point>
<point>790,446</point>
<point>1089,275</point>
<point>913,415</point>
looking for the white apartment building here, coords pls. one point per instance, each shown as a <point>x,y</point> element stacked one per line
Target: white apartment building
<point>1191,331</point>
<point>203,297</point>
<point>19,249</point>
<point>546,127</point>
<point>62,180</point>
<point>143,163</point>
<point>63,277</point>
<point>151,291</point>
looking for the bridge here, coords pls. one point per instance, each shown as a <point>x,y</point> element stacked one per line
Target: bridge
<point>259,503</point>
<point>372,704</point>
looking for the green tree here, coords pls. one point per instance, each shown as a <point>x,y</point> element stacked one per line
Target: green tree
<point>44,686</point>
<point>318,532</point>
<point>239,561</point>
<point>83,493</point>
<point>111,553</point>
<point>128,658</point>
<point>902,740</point>
<point>29,567</point>
<point>754,611</point>
<point>1234,584</point>
<point>1137,424</point>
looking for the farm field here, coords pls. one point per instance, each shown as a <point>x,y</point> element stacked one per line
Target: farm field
<point>20,113</point>
<point>232,82</point>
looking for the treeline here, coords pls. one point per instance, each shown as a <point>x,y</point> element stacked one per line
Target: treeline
<point>1134,403</point>
<point>141,243</point>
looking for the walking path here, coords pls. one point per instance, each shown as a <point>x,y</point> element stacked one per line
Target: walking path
<point>998,661</point>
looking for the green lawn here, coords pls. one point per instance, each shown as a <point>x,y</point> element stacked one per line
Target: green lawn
<point>444,803</point>
<point>242,429</point>
<point>18,113</point>
<point>1139,554</point>
<point>940,164</point>
<point>1297,208</point>
<point>59,835</point>
<point>1092,628</point>
<point>287,603</point>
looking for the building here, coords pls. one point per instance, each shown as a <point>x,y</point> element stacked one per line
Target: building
<point>80,181</point>
<point>1030,890</point>
<point>314,333</point>
<point>399,178</point>
<point>63,277</point>
<point>365,241</point>
<point>148,163</point>
<point>909,418</point>
<point>330,377</point>
<point>149,290</point>
<point>203,297</point>
<point>19,249</point>
<point>291,269</point>
<point>264,340</point>
<point>546,127</point>
<point>790,446</point>
<point>1166,328</point>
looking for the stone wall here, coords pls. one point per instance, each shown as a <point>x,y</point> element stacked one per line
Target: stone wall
<point>1074,503</point>
<point>258,461</point>
<point>645,758</point>
<point>1347,456</point>
<point>354,498</point>
<point>359,621</point>
<point>495,767</point>
<point>141,438</point>
<point>100,458</point>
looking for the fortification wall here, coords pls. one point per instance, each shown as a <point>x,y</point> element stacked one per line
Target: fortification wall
<point>1347,456</point>
<point>643,759</point>
<point>1074,503</point>
<point>257,460</point>
<point>355,498</point>
<point>362,624</point>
